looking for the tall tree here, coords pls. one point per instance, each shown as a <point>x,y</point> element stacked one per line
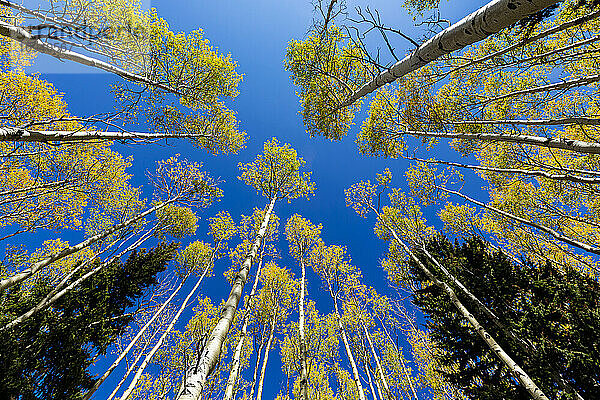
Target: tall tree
<point>276,174</point>
<point>48,356</point>
<point>550,310</point>
<point>401,223</point>
<point>302,236</point>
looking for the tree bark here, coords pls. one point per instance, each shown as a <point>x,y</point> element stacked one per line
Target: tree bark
<point>124,353</point>
<point>355,375</point>
<point>488,20</point>
<point>235,360</point>
<point>301,322</point>
<point>22,36</point>
<point>13,280</point>
<point>11,134</point>
<point>158,344</point>
<point>263,369</point>
<point>577,146</point>
<point>384,381</point>
<point>212,350</point>
<point>495,348</point>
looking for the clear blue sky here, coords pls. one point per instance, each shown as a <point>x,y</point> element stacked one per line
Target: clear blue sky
<point>256,34</point>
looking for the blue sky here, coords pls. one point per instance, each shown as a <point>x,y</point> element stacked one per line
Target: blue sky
<point>256,34</point>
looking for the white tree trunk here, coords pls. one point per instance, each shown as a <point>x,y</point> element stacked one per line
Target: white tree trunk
<point>552,143</point>
<point>124,353</point>
<point>11,134</point>
<point>488,20</point>
<point>161,340</point>
<point>355,375</point>
<point>22,36</point>
<point>263,369</point>
<point>301,318</point>
<point>212,350</point>
<point>495,348</point>
<point>382,377</point>
<point>13,280</point>
<point>59,291</point>
<point>235,360</point>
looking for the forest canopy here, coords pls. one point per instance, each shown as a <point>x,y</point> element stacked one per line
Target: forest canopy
<point>184,215</point>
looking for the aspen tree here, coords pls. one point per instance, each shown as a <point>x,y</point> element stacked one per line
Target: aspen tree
<point>198,258</point>
<point>175,181</point>
<point>302,235</point>
<point>276,174</point>
<point>332,265</point>
<point>390,224</point>
<point>248,229</point>
<point>346,88</point>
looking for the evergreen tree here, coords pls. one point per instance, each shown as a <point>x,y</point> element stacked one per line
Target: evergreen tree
<point>554,312</point>
<point>47,356</point>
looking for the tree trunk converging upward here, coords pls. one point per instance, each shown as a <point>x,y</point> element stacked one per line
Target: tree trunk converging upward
<point>161,340</point>
<point>384,381</point>
<point>495,348</point>
<point>10,134</point>
<point>135,339</point>
<point>263,369</point>
<point>355,375</point>
<point>22,36</point>
<point>301,333</point>
<point>13,280</point>
<point>489,19</point>
<point>212,349</point>
<point>235,360</point>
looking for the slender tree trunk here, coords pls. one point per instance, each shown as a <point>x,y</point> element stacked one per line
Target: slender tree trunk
<point>577,146</point>
<point>124,353</point>
<point>22,36</point>
<point>132,367</point>
<point>256,368</point>
<point>158,344</point>
<point>303,355</point>
<point>401,358</point>
<point>382,377</point>
<point>10,134</point>
<point>212,350</point>
<point>235,360</point>
<point>355,375</point>
<point>518,171</point>
<point>59,292</point>
<point>488,20</point>
<point>545,229</point>
<point>370,380</point>
<point>21,276</point>
<point>263,369</point>
<point>524,345</point>
<point>495,348</point>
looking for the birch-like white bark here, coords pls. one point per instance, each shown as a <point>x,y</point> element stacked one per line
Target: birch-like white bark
<point>132,366</point>
<point>553,143</point>
<point>543,174</point>
<point>237,355</point>
<point>534,391</point>
<point>11,134</point>
<point>525,345</point>
<point>212,350</point>
<point>382,377</point>
<point>545,229</point>
<point>137,337</point>
<point>263,369</point>
<point>22,36</point>
<point>161,340</point>
<point>355,375</point>
<point>60,290</point>
<point>488,20</point>
<point>303,352</point>
<point>19,277</point>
